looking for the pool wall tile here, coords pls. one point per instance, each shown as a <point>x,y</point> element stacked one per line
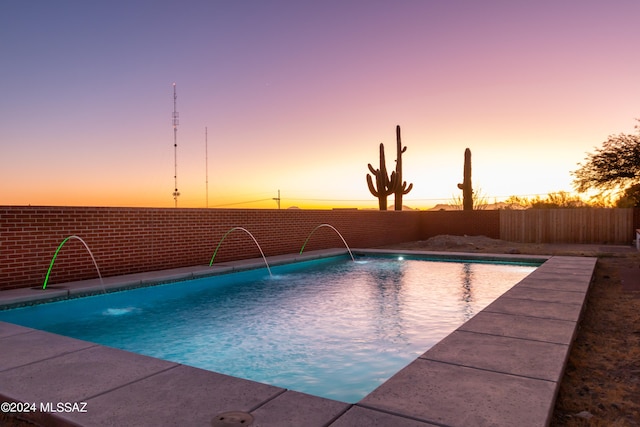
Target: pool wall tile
<point>22,296</point>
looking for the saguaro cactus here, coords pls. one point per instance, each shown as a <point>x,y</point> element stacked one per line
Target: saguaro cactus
<point>385,185</point>
<point>467,190</point>
<point>401,186</point>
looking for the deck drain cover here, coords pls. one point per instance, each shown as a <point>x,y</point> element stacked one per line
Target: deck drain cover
<point>232,419</point>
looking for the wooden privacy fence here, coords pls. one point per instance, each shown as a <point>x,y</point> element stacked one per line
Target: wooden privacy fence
<point>588,225</point>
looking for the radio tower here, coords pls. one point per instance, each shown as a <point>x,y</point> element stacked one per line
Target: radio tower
<point>175,121</point>
<point>206,165</point>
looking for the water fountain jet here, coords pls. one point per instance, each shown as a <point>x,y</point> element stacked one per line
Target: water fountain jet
<point>334,229</point>
<point>46,279</point>
<point>254,239</point>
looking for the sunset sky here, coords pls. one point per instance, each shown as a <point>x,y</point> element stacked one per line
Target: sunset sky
<point>297,96</point>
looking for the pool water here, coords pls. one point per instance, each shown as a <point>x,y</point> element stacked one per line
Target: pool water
<point>332,328</point>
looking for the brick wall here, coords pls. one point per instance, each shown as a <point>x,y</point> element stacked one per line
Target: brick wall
<point>129,240</point>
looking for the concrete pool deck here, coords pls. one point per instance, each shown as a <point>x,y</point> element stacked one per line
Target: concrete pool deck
<point>502,368</point>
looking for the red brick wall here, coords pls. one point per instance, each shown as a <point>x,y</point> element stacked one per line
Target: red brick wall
<point>128,240</point>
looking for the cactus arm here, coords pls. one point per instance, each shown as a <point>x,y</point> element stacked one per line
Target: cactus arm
<point>393,183</point>
<point>372,189</point>
<point>406,189</point>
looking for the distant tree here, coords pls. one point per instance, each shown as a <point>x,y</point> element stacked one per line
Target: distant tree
<point>613,167</point>
<point>630,197</point>
<point>557,200</point>
<point>517,203</point>
<point>602,200</point>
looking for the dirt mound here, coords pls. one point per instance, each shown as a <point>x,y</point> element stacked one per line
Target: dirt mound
<point>465,244</point>
<point>476,242</point>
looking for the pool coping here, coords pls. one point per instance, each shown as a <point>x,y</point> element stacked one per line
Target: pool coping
<point>503,367</point>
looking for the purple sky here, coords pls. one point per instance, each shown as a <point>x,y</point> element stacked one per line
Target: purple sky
<point>297,95</point>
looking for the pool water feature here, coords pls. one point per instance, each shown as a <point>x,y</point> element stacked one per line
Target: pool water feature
<point>334,229</point>
<point>330,327</point>
<point>55,255</point>
<point>250,235</point>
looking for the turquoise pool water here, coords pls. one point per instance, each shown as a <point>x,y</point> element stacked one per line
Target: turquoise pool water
<point>332,328</point>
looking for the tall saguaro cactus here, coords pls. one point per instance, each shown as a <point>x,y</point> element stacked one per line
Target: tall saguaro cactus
<point>385,185</point>
<point>401,186</point>
<point>467,190</point>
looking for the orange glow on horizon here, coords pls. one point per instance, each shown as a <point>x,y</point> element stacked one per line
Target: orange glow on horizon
<point>293,107</point>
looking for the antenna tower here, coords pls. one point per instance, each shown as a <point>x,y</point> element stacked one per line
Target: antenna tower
<point>175,123</point>
<point>206,164</point>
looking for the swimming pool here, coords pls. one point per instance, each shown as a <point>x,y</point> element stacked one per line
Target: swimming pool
<point>331,327</point>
